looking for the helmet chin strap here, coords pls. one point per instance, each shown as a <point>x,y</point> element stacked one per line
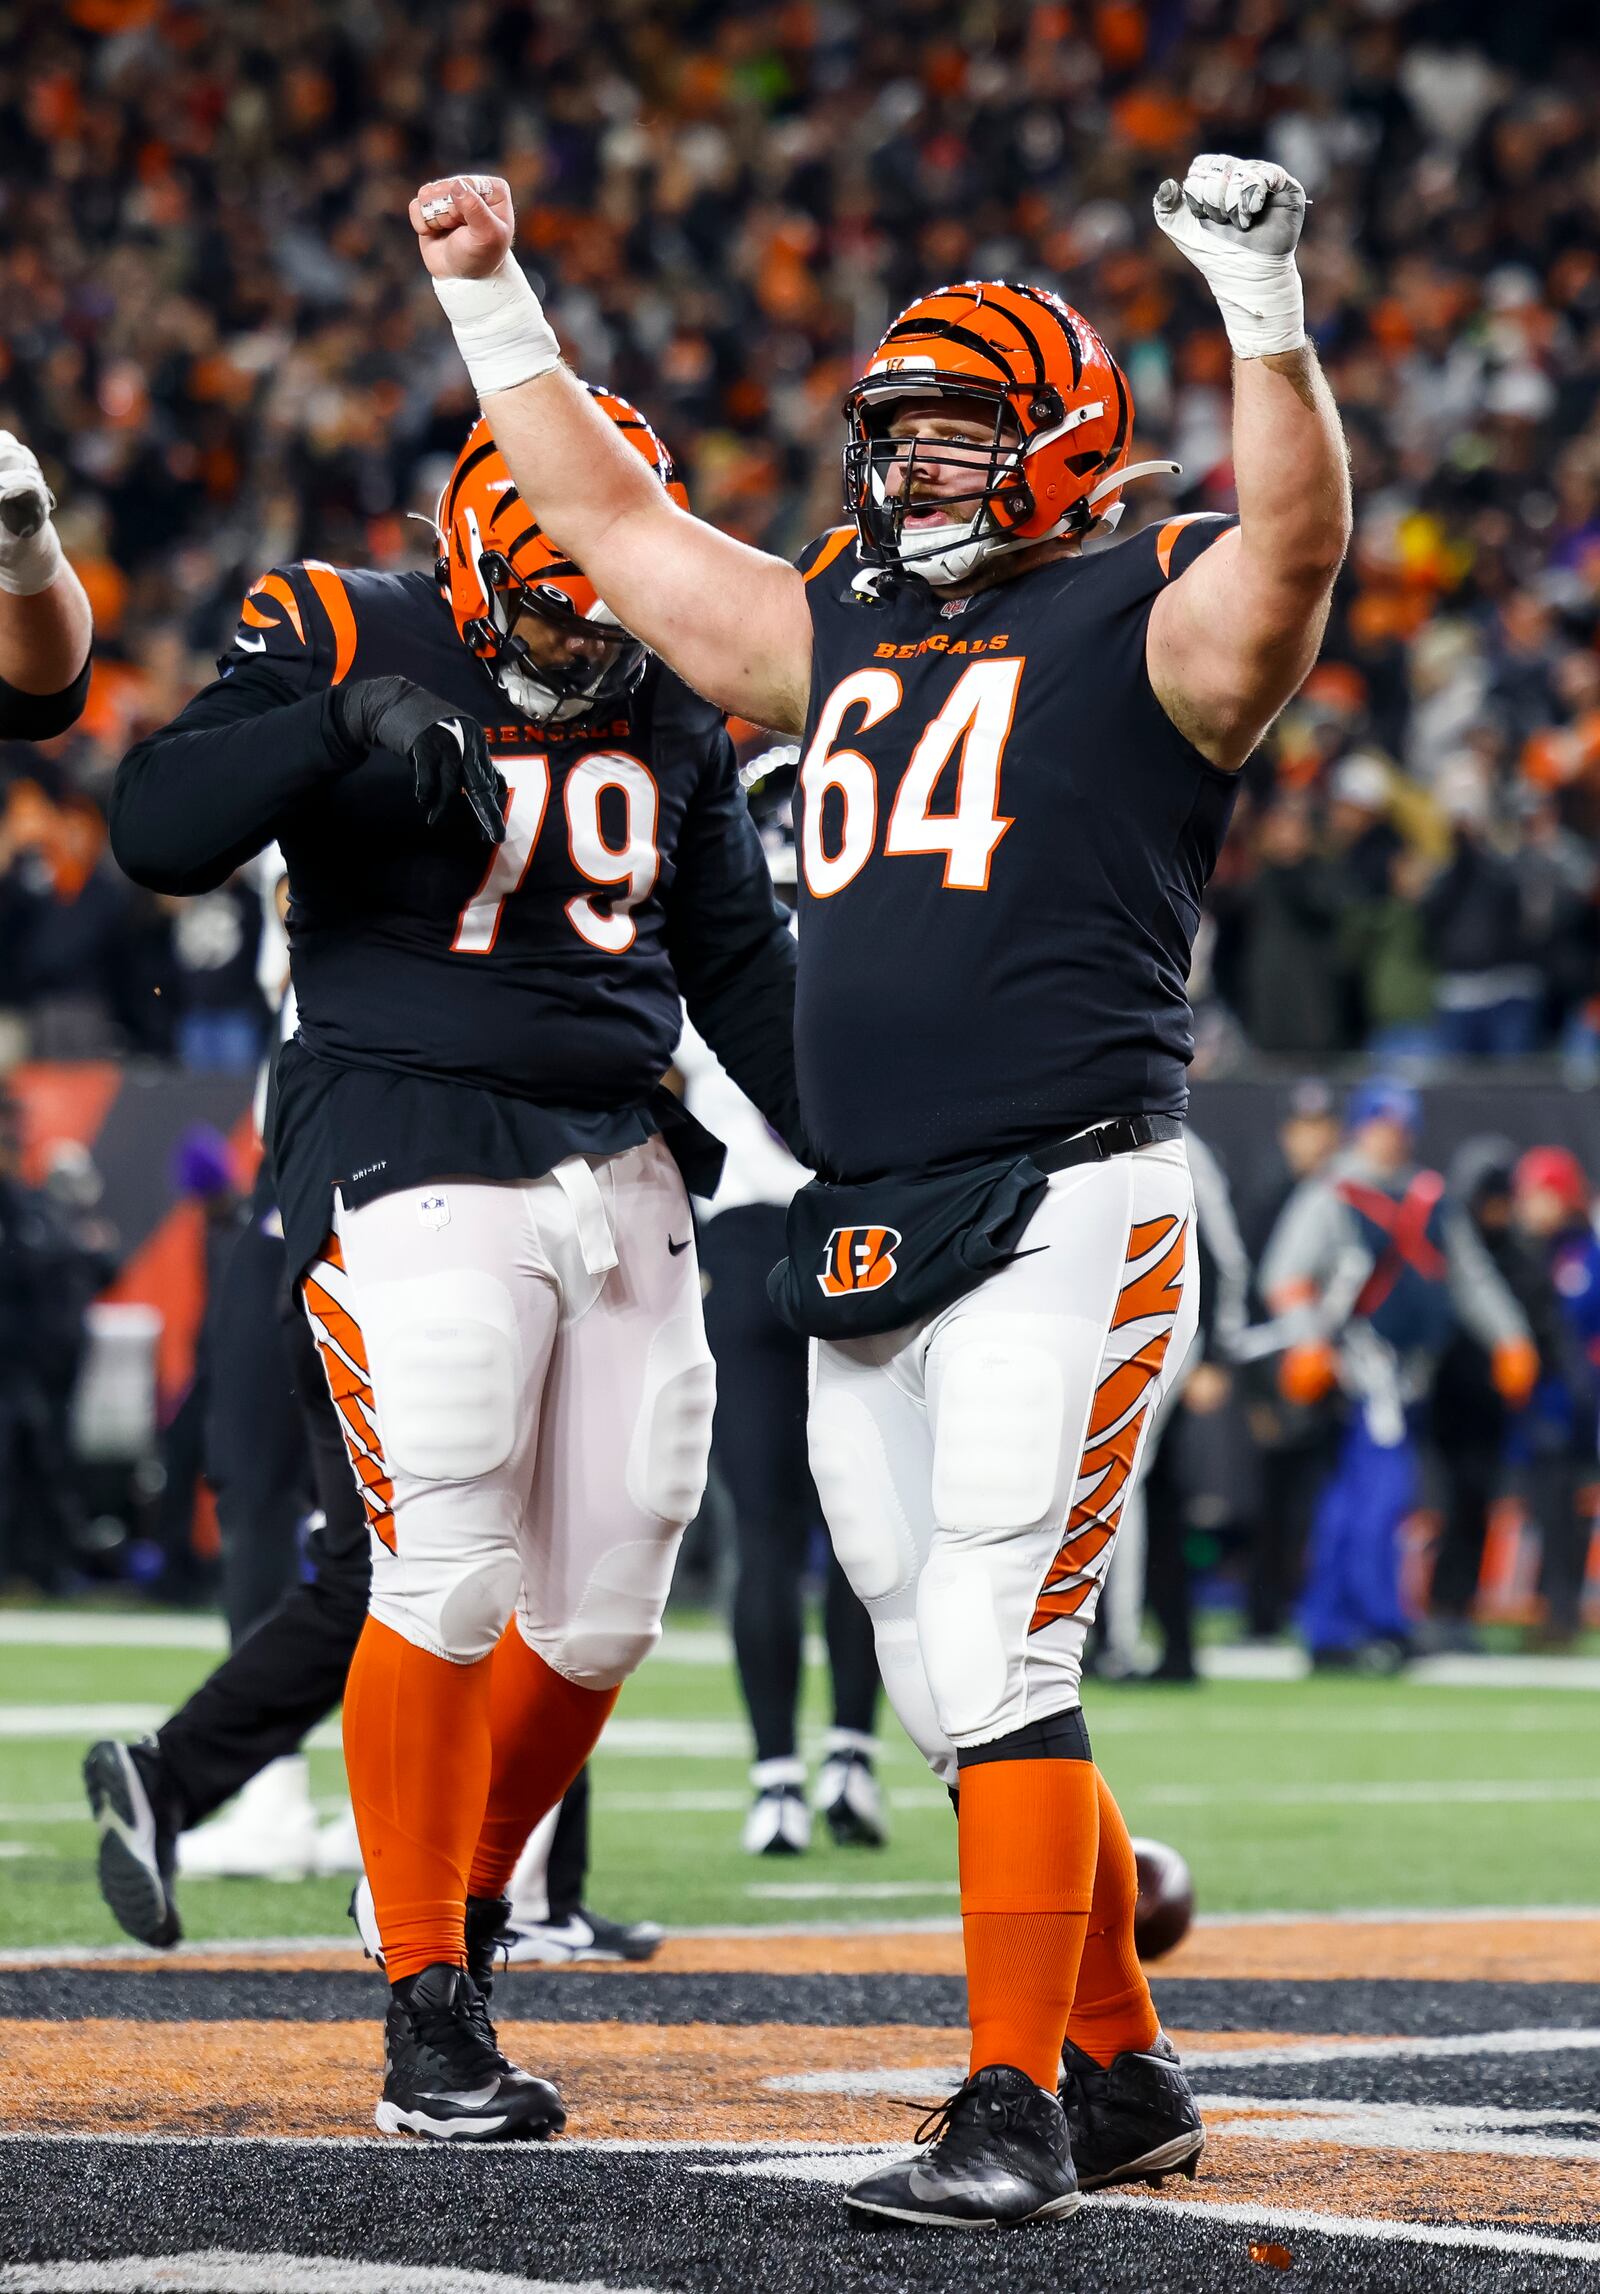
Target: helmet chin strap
<point>943,569</point>
<point>531,698</point>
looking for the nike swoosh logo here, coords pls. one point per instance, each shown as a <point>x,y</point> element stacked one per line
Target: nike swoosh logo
<point>677,1248</point>
<point>936,2187</point>
<point>251,644</point>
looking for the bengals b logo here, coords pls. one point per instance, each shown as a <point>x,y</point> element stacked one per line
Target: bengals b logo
<point>858,1258</point>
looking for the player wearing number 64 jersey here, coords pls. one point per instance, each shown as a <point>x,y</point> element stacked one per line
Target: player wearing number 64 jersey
<point>1017,767</point>
<point>481,1181</point>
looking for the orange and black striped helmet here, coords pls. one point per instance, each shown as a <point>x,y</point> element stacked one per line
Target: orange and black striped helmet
<point>1061,417</point>
<point>496,567</point>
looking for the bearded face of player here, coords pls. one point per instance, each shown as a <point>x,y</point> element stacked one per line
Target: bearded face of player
<point>933,467</point>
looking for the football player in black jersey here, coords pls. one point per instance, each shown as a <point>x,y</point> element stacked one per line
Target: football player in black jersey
<point>45,622</point>
<point>1018,764</point>
<point>471,1146</point>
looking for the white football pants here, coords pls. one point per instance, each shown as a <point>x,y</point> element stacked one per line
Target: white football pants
<point>527,1393</point>
<point>974,1467</point>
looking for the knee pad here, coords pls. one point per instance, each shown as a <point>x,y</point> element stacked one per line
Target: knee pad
<point>971,1677</point>
<point>618,1620</point>
<point>443,1350</point>
<point>905,1684</point>
<point>866,1520</point>
<point>1001,1417</point>
<point>457,1609</point>
<point>671,1445</point>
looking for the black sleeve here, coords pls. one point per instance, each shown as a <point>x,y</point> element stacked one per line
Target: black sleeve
<point>731,947</point>
<point>41,716</point>
<point>198,799</point>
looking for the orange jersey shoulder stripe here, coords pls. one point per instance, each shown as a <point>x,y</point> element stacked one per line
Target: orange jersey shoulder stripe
<point>274,586</point>
<point>335,601</point>
<point>1167,539</point>
<point>835,546</point>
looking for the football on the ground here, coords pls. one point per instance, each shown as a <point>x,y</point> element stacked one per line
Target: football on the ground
<point>1166,1899</point>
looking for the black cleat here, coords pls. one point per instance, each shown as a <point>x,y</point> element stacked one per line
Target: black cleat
<point>137,1818</point>
<point>1132,2121</point>
<point>999,2155</point>
<point>445,2076</point>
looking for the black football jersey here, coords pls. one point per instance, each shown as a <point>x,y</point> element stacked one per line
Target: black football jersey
<point>463,1008</point>
<point>1003,841</point>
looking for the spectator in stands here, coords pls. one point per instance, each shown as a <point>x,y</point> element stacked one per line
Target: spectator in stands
<point>1290,970</point>
<point>1470,1422</point>
<point>46,1281</point>
<point>209,329</point>
<point>1487,996</point>
<point>1553,1199</point>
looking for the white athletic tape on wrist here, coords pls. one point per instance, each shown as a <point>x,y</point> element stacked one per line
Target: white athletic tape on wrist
<point>500,328</point>
<point>1259,295</point>
<point>29,563</point>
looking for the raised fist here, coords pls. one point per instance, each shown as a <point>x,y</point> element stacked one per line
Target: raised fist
<point>25,500</point>
<point>1238,222</point>
<point>1224,199</point>
<point>465,225</point>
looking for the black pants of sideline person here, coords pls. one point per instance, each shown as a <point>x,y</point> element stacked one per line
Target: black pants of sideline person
<point>257,1446</point>
<point>760,1444</point>
<point>288,1667</point>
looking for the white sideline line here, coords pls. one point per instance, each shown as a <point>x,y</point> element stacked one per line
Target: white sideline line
<point>844,2166</point>
<point>710,1645</point>
<point>1527,2042</point>
<point>846,1891</point>
<point>808,2162</point>
<point>108,1629</point>
<point>1358,2226</point>
<point>217,2270</point>
<point>1413,1792</point>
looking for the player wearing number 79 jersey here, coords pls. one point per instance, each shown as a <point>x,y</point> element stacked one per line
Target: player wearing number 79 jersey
<point>482,1183</point>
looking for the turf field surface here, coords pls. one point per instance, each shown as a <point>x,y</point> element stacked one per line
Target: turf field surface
<point>1312,1795</point>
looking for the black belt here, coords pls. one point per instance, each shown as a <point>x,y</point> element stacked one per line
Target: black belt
<point>1119,1137</point>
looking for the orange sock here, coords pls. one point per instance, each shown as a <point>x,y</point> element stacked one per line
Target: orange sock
<point>416,1748</point>
<point>1112,2010</point>
<point>543,1729</point>
<point>1028,1831</point>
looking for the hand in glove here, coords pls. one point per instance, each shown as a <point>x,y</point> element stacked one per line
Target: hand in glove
<point>447,749</point>
<point>1238,221</point>
<point>30,552</point>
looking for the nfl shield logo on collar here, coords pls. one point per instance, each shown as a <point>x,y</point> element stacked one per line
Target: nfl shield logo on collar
<point>434,1211</point>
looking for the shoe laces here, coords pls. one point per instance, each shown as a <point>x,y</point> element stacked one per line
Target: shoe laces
<point>461,2034</point>
<point>947,2118</point>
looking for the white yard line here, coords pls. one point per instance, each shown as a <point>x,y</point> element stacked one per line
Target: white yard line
<point>1556,2041</point>
<point>827,2164</point>
<point>216,2270</point>
<point>846,1891</point>
<point>709,1645</point>
<point>1361,2226</point>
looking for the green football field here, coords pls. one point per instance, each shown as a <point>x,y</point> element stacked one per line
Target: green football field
<point>1326,1794</point>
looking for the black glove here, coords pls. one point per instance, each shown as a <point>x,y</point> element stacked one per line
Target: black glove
<point>447,749</point>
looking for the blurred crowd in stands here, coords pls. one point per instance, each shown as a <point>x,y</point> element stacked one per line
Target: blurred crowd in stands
<point>214,328</point>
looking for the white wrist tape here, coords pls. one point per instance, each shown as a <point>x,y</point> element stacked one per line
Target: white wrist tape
<point>30,562</point>
<point>1256,284</point>
<point>1259,295</point>
<point>500,328</point>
